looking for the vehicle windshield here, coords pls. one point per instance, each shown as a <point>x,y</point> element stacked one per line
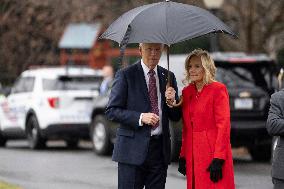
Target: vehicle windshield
<point>245,76</point>
<point>72,83</point>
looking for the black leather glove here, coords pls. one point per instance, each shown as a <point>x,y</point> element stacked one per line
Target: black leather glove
<point>215,169</point>
<point>182,166</point>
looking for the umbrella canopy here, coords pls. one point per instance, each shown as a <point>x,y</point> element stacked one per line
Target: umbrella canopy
<point>165,22</point>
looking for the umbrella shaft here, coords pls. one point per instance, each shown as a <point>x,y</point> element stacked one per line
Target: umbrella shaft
<point>168,62</point>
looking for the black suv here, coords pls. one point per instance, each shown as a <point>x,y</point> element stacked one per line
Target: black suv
<point>250,80</point>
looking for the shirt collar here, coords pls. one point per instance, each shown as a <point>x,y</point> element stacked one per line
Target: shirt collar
<point>146,69</point>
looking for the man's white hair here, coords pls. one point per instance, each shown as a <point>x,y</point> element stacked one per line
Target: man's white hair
<point>141,44</point>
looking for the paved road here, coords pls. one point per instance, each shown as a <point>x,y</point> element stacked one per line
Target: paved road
<point>62,168</point>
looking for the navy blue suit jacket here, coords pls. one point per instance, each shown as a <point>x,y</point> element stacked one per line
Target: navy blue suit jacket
<point>128,99</point>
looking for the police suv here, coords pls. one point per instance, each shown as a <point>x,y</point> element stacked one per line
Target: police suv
<point>50,103</point>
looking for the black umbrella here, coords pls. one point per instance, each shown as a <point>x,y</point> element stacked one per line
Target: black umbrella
<point>165,22</point>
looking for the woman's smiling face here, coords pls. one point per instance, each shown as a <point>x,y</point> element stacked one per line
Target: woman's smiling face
<point>195,69</point>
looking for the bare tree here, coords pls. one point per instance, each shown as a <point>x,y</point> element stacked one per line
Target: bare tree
<point>259,24</point>
<point>113,9</point>
<point>30,31</point>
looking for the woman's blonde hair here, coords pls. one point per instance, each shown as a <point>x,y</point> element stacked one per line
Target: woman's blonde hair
<point>207,63</point>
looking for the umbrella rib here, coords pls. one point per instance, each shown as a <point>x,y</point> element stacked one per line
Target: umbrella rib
<point>167,30</point>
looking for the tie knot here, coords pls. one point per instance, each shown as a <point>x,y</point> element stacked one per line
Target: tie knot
<point>151,73</point>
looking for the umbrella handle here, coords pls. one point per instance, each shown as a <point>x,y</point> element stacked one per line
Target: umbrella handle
<point>175,104</point>
<point>179,103</point>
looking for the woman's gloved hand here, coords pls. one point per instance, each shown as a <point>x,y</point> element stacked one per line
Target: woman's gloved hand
<point>182,166</point>
<point>215,169</point>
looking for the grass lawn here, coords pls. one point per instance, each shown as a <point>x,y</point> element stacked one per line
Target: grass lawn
<point>4,185</point>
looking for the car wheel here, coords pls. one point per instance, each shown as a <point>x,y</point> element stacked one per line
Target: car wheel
<point>260,152</point>
<point>33,134</point>
<point>100,135</point>
<point>72,143</point>
<point>174,143</point>
<point>3,140</point>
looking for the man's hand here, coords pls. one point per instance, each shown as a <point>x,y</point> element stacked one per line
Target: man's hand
<point>170,96</point>
<point>150,119</point>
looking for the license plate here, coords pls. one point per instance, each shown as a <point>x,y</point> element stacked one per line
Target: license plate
<point>243,103</point>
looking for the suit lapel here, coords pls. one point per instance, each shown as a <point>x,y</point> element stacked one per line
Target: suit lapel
<point>142,81</point>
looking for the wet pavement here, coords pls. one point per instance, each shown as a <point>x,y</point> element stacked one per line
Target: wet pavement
<point>60,168</point>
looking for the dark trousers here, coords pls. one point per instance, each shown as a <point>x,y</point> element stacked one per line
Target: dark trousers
<point>278,183</point>
<point>152,173</point>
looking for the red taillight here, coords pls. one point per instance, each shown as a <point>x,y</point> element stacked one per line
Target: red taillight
<point>53,102</point>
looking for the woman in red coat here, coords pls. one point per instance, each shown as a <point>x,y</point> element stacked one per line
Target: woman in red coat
<point>206,157</point>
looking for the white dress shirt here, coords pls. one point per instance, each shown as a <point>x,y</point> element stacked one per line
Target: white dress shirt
<point>157,130</point>
<point>105,85</point>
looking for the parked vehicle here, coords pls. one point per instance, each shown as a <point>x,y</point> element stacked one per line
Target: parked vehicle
<point>50,103</point>
<point>250,80</point>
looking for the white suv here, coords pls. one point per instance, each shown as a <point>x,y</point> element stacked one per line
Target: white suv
<point>50,103</point>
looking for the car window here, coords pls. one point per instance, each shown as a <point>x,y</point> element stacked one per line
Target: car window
<point>72,83</point>
<point>24,84</point>
<point>237,74</point>
<point>235,77</point>
<point>246,76</point>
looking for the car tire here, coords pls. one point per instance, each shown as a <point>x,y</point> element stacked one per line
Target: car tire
<point>72,143</point>
<point>100,135</point>
<point>174,142</point>
<point>260,153</point>
<point>3,140</point>
<point>33,134</point>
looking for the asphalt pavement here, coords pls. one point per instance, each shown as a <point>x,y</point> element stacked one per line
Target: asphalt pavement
<point>61,168</point>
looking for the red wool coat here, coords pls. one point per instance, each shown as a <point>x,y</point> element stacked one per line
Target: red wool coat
<point>206,135</point>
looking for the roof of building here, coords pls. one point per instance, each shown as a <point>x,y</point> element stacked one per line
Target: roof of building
<point>80,36</point>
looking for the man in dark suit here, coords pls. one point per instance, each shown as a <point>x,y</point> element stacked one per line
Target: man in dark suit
<point>275,127</point>
<point>138,102</point>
